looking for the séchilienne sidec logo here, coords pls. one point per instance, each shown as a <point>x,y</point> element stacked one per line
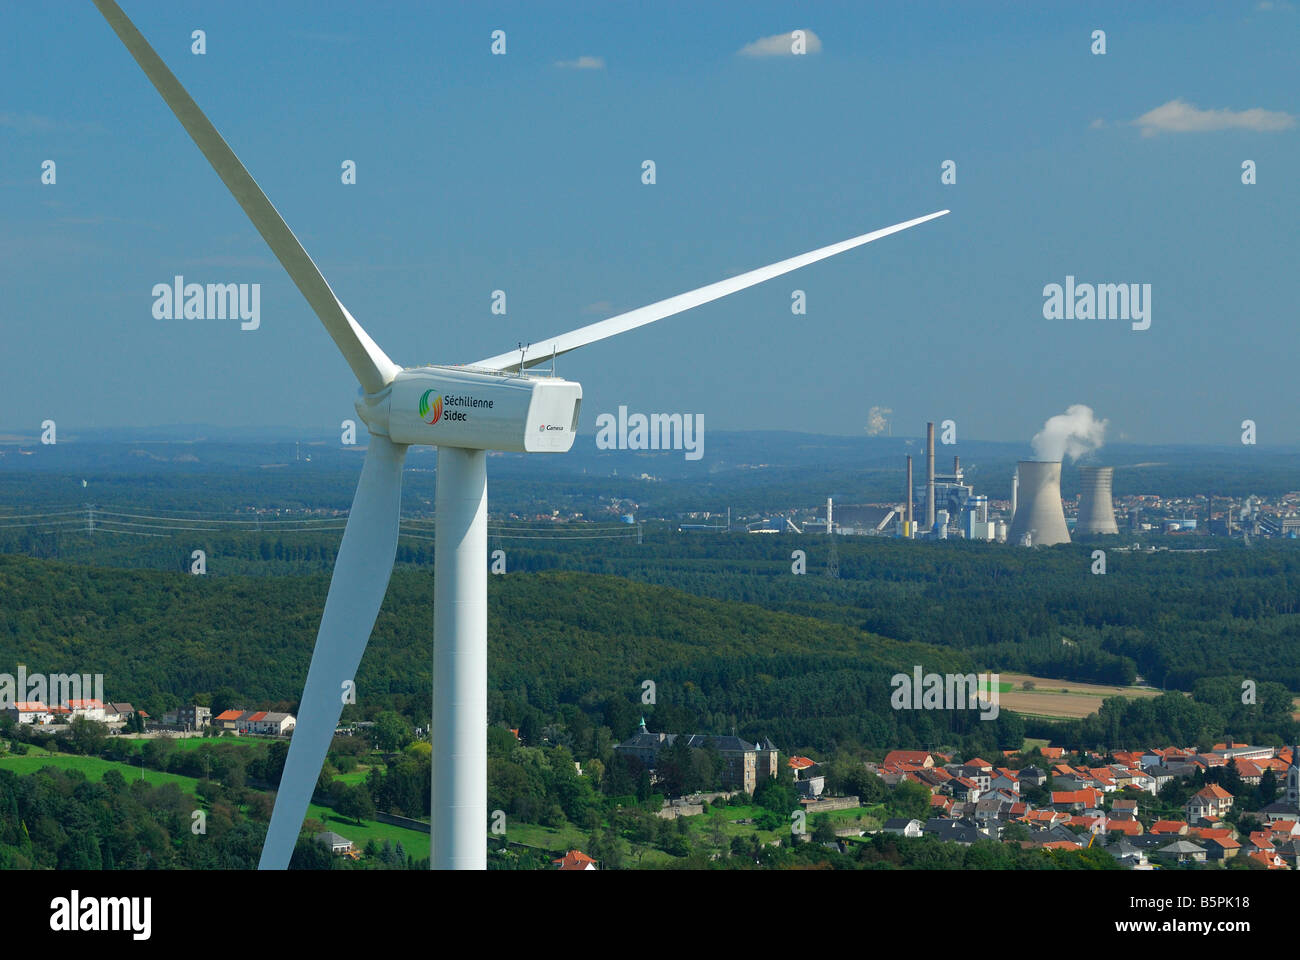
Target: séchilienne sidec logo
<point>430,413</point>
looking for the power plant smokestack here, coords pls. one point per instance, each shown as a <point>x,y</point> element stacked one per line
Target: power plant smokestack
<point>929,476</point>
<point>908,529</point>
<point>829,527</point>
<point>956,466</point>
<point>1015,491</point>
<point>1096,512</point>
<point>1040,516</point>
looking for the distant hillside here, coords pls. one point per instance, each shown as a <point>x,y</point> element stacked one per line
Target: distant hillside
<point>554,638</point>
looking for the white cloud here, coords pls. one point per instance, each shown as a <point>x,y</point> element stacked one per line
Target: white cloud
<point>1097,124</point>
<point>1265,5</point>
<point>1179,116</point>
<point>780,45</point>
<point>582,63</point>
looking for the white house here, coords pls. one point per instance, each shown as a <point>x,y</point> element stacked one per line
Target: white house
<point>30,711</point>
<point>273,724</point>
<point>90,709</point>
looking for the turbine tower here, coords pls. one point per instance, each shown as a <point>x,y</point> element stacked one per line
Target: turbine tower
<point>1096,512</point>
<point>463,410</point>
<point>1038,507</point>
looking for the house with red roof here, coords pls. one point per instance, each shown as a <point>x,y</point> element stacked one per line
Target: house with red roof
<point>1270,859</point>
<point>1220,848</point>
<point>574,860</point>
<point>30,711</point>
<point>1168,828</point>
<point>1005,779</point>
<point>919,758</point>
<point>1210,801</point>
<point>1077,800</point>
<point>1130,828</point>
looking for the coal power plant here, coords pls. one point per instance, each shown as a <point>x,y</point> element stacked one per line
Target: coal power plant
<point>1096,512</point>
<point>1039,519</point>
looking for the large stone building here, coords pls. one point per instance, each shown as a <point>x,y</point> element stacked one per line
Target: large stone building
<point>744,764</point>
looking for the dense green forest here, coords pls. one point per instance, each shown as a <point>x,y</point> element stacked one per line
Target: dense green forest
<point>1040,611</point>
<point>735,644</point>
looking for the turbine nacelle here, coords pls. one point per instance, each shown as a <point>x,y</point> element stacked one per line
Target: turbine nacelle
<point>475,409</point>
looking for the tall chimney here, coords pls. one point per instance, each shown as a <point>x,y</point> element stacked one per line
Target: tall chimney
<point>829,527</point>
<point>956,466</point>
<point>908,528</point>
<point>929,476</point>
<point>1015,491</point>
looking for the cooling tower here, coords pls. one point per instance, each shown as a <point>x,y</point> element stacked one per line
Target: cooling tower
<point>1038,507</point>
<point>1096,512</point>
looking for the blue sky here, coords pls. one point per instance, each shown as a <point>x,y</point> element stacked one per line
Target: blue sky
<point>480,172</point>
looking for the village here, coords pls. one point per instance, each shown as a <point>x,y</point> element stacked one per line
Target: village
<point>1123,802</point>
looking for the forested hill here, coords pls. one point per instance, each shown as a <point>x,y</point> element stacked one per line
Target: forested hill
<point>555,639</point>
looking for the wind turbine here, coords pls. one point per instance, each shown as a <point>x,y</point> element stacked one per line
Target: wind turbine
<point>463,410</point>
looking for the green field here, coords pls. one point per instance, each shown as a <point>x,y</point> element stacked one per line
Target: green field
<point>567,837</point>
<point>413,841</point>
<point>94,768</point>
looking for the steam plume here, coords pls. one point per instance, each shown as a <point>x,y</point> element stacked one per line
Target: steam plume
<point>877,422</point>
<point>1073,433</point>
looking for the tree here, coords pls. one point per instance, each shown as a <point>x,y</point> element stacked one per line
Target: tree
<point>311,854</point>
<point>226,698</point>
<point>777,796</point>
<point>88,736</point>
<point>824,830</point>
<point>909,799</point>
<point>1230,778</point>
<point>391,731</point>
<point>1266,792</point>
<point>355,802</point>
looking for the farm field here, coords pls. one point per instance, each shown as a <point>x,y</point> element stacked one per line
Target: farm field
<point>1060,699</point>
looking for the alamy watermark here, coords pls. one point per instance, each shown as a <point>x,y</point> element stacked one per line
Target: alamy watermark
<point>179,300</point>
<point>1102,301</point>
<point>946,691</point>
<point>658,431</point>
<point>54,689</point>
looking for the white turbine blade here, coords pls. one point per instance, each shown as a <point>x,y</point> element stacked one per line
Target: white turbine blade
<point>542,350</point>
<point>371,365</point>
<point>361,573</point>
